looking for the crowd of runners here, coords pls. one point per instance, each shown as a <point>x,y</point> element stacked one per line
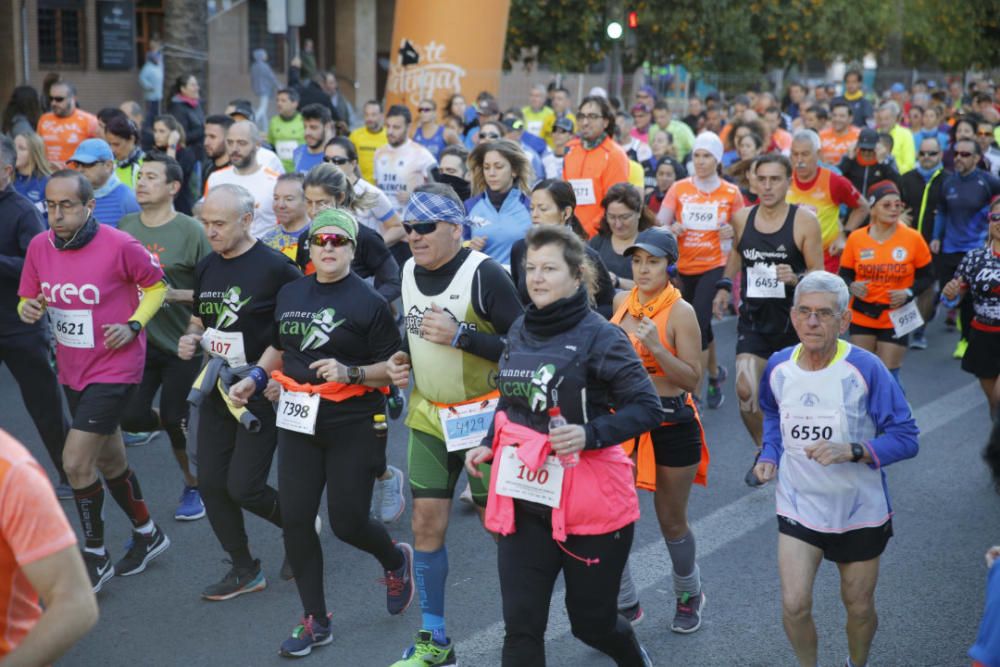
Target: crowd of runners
<point>529,293</point>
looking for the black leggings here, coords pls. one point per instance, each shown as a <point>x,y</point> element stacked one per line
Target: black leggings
<point>699,290</point>
<point>29,359</point>
<point>529,562</point>
<point>175,376</point>
<point>345,460</point>
<point>233,465</point>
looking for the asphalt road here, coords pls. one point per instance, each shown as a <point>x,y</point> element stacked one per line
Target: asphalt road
<point>929,598</point>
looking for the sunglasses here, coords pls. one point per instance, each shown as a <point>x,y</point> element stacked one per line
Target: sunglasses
<point>421,228</point>
<point>57,99</point>
<point>929,153</point>
<point>336,160</point>
<point>964,154</point>
<point>489,135</point>
<point>323,240</point>
<point>984,133</point>
<point>425,109</point>
<point>994,217</point>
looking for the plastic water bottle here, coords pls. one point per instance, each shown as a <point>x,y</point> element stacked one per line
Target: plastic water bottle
<point>555,421</point>
<point>380,426</point>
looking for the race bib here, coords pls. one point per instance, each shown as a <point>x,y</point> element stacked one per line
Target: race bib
<point>225,344</point>
<point>583,188</point>
<point>906,319</point>
<point>801,427</point>
<point>285,149</point>
<point>763,283</point>
<point>297,411</point>
<point>535,127</point>
<point>72,328</point>
<point>516,480</point>
<point>465,426</point>
<point>701,217</point>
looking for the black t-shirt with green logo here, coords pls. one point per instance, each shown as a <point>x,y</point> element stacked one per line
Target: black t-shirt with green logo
<point>346,320</point>
<point>238,294</point>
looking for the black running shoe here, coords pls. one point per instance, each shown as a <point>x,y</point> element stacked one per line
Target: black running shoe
<point>399,583</point>
<point>237,582</point>
<point>144,548</point>
<point>99,568</point>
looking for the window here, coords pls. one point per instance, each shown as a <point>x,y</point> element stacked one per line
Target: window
<point>60,32</point>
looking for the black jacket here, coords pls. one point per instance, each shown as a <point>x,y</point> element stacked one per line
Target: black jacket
<point>310,92</point>
<point>192,119</point>
<point>912,190</point>
<point>20,222</point>
<point>864,177</point>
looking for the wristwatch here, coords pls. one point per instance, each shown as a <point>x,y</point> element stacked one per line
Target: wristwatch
<point>355,375</point>
<point>135,326</point>
<point>857,452</point>
<point>461,339</point>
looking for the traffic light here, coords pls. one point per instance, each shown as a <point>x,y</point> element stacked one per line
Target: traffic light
<point>633,19</point>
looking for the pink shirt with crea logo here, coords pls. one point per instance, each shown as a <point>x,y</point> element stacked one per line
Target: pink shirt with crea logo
<point>84,289</point>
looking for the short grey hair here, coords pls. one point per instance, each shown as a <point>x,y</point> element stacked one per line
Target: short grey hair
<point>891,106</point>
<point>243,201</point>
<point>826,283</point>
<point>807,135</point>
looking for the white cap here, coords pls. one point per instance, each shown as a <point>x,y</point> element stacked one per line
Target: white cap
<point>597,91</point>
<point>709,141</point>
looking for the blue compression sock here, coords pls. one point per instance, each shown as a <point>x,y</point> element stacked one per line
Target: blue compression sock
<point>431,572</point>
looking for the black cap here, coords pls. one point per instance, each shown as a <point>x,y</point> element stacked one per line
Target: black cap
<point>657,242</point>
<point>513,124</point>
<point>242,108</point>
<point>868,139</point>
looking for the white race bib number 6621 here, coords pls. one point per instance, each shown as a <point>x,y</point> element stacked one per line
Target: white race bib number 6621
<point>73,328</point>
<point>297,411</point>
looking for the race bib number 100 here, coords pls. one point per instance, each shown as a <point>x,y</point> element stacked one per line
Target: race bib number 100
<point>516,480</point>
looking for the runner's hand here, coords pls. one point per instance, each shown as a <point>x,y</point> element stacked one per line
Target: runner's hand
<point>992,555</point>
<point>272,391</point>
<point>33,309</point>
<point>647,334</point>
<point>677,228</point>
<point>859,288</point>
<point>935,246</point>
<point>786,275</point>
<point>568,439</point>
<point>950,291</point>
<point>897,297</point>
<point>825,452</point>
<point>242,391</point>
<point>765,471</point>
<point>188,345</point>
<point>726,232</point>
<point>720,303</point>
<point>398,368</point>
<point>438,326</point>
<point>330,370</point>
<point>117,335</point>
<point>474,457</point>
<point>477,243</point>
<point>837,246</point>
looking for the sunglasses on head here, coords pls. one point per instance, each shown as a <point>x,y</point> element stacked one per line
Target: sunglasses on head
<point>323,240</point>
<point>929,153</point>
<point>57,99</point>
<point>420,228</point>
<point>336,160</point>
<point>964,153</point>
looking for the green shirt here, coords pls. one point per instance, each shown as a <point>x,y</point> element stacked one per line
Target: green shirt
<point>286,136</point>
<point>179,245</point>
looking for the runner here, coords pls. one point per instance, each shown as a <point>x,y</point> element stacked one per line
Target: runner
<point>32,168</point>
<point>317,130</point>
<point>774,245</point>
<point>500,206</point>
<point>594,162</point>
<point>458,304</point>
<point>978,278</point>
<point>820,191</point>
<point>369,138</point>
<point>113,199</point>
<point>380,215</point>
<point>286,131</point>
<point>401,164</point>
<point>290,211</point>
<point>234,293</point>
<point>624,217</point>
<point>431,134</point>
<point>543,526</point>
<point>66,125</point>
<point>332,336</point>
<point>699,210</point>
<point>179,243</point>
<point>672,455</point>
<point>833,419</point>
<point>242,142</point>
<point>552,160</point>
<point>88,278</point>
<point>124,139</point>
<point>539,118</point>
<point>217,157</point>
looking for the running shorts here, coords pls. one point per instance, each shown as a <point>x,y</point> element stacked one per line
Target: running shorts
<point>434,471</point>
<point>762,345</point>
<point>851,547</point>
<point>99,407</point>
<point>677,445</point>
<point>881,335</point>
<point>982,358</point>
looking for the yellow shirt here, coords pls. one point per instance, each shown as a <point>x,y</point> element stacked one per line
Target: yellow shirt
<point>367,142</point>
<point>636,175</point>
<point>539,123</point>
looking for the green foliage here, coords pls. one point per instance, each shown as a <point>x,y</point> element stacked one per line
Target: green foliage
<point>955,35</point>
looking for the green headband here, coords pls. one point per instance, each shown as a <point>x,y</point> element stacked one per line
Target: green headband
<point>336,217</point>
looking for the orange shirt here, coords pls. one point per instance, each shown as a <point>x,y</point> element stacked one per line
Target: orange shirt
<point>592,173</point>
<point>702,214</point>
<point>834,146</point>
<point>63,135</point>
<point>32,527</point>
<point>885,266</point>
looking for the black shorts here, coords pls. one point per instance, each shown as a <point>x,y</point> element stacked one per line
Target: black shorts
<point>99,407</point>
<point>762,345</point>
<point>982,358</point>
<point>677,445</point>
<point>854,546</point>
<point>881,335</point>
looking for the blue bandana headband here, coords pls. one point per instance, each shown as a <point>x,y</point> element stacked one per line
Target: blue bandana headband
<point>430,207</point>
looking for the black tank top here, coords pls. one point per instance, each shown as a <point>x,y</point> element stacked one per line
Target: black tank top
<point>769,316</point>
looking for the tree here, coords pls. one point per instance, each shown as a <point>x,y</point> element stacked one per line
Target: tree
<point>954,35</point>
<point>565,35</point>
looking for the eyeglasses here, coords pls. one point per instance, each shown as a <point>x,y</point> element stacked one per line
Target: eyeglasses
<point>323,240</point>
<point>421,228</point>
<point>994,217</point>
<point>336,160</point>
<point>64,205</point>
<point>929,153</point>
<point>56,99</point>
<point>964,154</point>
<point>824,315</point>
<point>490,136</point>
<point>625,217</point>
<point>424,109</point>
<point>590,116</point>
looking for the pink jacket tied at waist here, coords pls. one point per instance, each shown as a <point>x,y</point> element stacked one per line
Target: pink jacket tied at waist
<point>598,494</point>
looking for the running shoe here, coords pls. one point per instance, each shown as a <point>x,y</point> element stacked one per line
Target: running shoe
<point>715,396</point>
<point>392,502</point>
<point>918,341</point>
<point>466,496</point>
<point>138,439</point>
<point>963,345</point>
<point>99,568</point>
<point>190,507</point>
<point>395,403</point>
<point>633,614</point>
<point>64,491</point>
<point>399,583</point>
<point>687,618</point>
<point>426,652</point>
<point>143,549</point>
<point>310,633</point>
<point>751,478</point>
<point>237,582</point>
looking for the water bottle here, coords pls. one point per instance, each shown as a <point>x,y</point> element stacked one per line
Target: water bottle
<point>555,421</point>
<point>380,426</point>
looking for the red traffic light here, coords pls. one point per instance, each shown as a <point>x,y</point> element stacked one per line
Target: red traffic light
<point>633,20</point>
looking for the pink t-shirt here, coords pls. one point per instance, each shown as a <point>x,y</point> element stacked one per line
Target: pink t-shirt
<point>85,289</point>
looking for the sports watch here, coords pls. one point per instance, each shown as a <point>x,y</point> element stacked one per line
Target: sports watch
<point>355,375</point>
<point>135,326</point>
<point>857,452</point>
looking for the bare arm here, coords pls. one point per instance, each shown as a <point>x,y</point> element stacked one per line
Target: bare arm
<point>684,368</point>
<point>392,230</point>
<point>857,216</point>
<point>810,239</point>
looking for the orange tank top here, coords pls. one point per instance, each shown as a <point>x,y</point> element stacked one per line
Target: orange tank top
<point>649,362</point>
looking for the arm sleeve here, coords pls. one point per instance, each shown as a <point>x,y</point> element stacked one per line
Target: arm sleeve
<point>388,281</point>
<point>27,226</point>
<point>847,274</point>
<point>150,303</point>
<point>637,407</point>
<point>772,447</point>
<point>495,299</point>
<point>964,270</point>
<point>922,279</point>
<point>896,431</point>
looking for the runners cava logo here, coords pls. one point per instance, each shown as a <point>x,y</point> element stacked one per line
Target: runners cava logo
<point>231,304</point>
<point>538,400</point>
<point>534,386</point>
<point>318,331</point>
